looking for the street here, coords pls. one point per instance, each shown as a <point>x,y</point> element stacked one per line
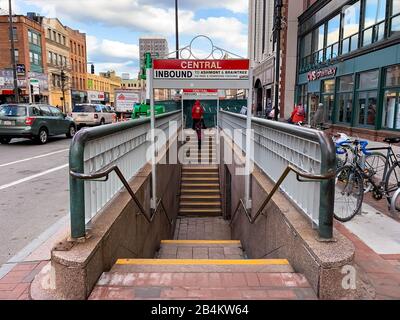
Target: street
<point>34,191</point>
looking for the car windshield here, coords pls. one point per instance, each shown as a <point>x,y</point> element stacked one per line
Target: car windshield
<point>83,108</point>
<point>12,111</point>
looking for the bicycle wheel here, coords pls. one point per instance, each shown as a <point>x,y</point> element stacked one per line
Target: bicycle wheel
<point>343,156</point>
<point>395,204</point>
<point>375,166</point>
<point>349,193</point>
<point>392,181</point>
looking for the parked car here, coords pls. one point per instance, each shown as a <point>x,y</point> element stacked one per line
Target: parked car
<point>33,121</point>
<point>92,115</point>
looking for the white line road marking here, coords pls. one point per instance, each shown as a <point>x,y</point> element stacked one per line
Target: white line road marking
<point>32,158</point>
<point>5,186</point>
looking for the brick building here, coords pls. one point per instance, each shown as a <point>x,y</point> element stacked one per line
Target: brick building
<point>78,66</point>
<point>29,41</point>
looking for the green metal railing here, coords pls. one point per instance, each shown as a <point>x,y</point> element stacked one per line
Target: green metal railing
<point>77,165</point>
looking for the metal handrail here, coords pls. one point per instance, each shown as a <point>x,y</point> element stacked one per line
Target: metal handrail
<point>105,174</point>
<point>289,168</point>
<point>76,161</point>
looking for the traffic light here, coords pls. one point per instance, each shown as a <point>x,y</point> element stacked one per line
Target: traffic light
<point>63,77</point>
<point>92,68</point>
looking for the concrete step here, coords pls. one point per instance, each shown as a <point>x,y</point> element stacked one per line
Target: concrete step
<point>201,265</point>
<point>200,204</point>
<point>200,192</point>
<point>209,212</point>
<point>200,168</point>
<point>196,179</point>
<point>206,173</point>
<point>200,185</point>
<point>200,197</point>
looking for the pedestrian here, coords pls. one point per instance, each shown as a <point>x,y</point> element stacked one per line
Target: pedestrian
<point>198,121</point>
<point>298,114</point>
<point>318,117</point>
<point>268,110</point>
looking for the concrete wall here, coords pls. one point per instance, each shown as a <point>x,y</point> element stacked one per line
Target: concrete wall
<point>283,232</point>
<point>120,231</point>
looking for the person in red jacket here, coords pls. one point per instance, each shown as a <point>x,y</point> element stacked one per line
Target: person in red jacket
<point>198,121</point>
<point>298,114</point>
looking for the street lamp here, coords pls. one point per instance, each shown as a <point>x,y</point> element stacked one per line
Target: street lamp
<point>13,59</point>
<point>177,28</point>
<point>278,27</point>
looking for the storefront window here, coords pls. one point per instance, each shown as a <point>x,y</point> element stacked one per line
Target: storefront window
<point>391,103</point>
<point>332,41</point>
<point>393,76</point>
<point>395,20</point>
<point>374,21</point>
<point>351,23</point>
<point>368,80</point>
<point>391,110</point>
<point>328,98</point>
<point>319,41</point>
<point>367,98</point>
<point>345,99</point>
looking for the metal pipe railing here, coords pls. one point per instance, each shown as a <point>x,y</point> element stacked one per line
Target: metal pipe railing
<point>312,177</point>
<point>77,166</point>
<point>303,148</point>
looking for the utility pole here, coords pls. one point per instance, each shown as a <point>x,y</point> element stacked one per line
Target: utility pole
<point>278,27</point>
<point>177,28</point>
<point>13,60</point>
<point>63,79</point>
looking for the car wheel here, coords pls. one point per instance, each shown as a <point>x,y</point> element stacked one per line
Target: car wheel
<point>71,132</point>
<point>5,140</point>
<point>43,136</point>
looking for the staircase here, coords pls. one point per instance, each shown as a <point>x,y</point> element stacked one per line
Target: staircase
<point>202,262</point>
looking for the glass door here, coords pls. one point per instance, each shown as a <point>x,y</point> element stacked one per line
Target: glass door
<point>367,103</point>
<point>391,109</point>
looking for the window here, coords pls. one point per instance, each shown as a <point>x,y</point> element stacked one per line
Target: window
<point>374,21</point>
<point>345,99</point>
<point>59,38</point>
<point>64,42</point>
<point>351,24</point>
<point>395,17</point>
<point>332,40</point>
<point>35,112</point>
<point>49,33</point>
<point>56,112</point>
<point>367,98</point>
<point>328,98</point>
<point>319,41</point>
<point>15,34</point>
<point>45,111</point>
<point>368,80</point>
<point>54,36</point>
<point>16,53</point>
<point>391,102</point>
<point>393,76</point>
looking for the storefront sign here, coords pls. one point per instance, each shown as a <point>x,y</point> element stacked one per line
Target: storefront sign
<point>96,96</point>
<point>200,92</point>
<point>20,69</point>
<point>201,69</point>
<point>322,73</point>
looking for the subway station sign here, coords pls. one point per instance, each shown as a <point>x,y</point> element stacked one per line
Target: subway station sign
<point>201,69</point>
<point>174,73</point>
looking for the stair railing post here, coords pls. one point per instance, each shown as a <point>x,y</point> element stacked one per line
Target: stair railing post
<point>248,140</point>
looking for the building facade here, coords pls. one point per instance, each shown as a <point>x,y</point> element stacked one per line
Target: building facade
<point>78,66</point>
<point>29,42</point>
<point>58,63</point>
<point>102,89</point>
<point>157,46</point>
<point>349,60</point>
<point>134,84</point>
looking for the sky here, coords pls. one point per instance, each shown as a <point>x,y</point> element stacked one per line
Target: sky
<point>113,27</point>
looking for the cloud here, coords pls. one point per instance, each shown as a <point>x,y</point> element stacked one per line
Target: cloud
<point>110,49</point>
<point>156,18</point>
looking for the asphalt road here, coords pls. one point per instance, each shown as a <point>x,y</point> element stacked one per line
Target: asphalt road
<point>34,191</point>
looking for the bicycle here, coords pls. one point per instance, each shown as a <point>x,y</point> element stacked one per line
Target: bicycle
<point>359,177</point>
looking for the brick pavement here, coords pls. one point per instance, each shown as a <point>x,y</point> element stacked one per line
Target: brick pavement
<point>379,275</point>
<point>15,284</point>
<point>213,228</point>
